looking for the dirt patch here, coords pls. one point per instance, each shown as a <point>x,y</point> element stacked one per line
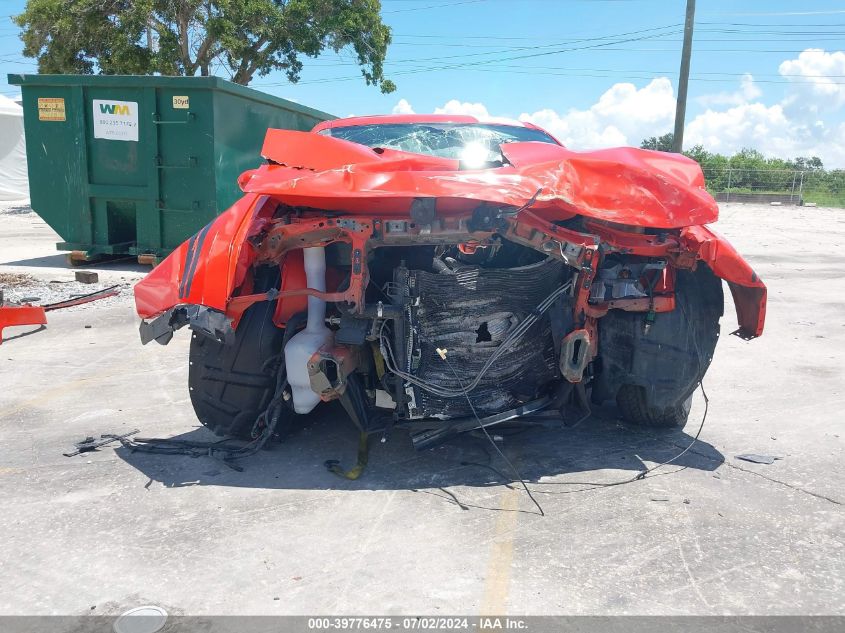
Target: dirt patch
<point>16,280</point>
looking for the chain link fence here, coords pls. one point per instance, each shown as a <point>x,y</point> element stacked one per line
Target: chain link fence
<point>824,188</point>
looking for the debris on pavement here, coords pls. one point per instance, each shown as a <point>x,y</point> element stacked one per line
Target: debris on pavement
<point>14,280</point>
<point>86,276</point>
<point>19,287</point>
<point>758,459</point>
<point>111,291</point>
<point>12,314</point>
<point>23,312</point>
<point>90,444</point>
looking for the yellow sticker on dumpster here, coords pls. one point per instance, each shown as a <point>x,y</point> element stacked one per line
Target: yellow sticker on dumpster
<point>51,109</point>
<point>181,103</point>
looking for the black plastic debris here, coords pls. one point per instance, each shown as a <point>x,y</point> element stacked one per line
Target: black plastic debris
<point>90,444</point>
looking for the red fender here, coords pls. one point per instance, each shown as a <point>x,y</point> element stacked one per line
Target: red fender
<point>748,290</point>
<point>207,268</point>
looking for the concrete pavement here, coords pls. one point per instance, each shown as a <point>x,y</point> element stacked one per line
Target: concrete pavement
<point>438,532</point>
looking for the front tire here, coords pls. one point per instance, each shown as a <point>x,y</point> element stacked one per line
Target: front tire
<point>653,373</point>
<point>231,385</point>
<point>633,402</point>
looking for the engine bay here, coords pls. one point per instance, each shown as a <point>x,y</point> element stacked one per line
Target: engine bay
<point>483,329</point>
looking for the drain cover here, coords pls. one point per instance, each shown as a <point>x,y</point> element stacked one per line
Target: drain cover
<point>147,619</point>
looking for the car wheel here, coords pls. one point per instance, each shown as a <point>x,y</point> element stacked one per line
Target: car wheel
<point>632,401</point>
<point>231,385</point>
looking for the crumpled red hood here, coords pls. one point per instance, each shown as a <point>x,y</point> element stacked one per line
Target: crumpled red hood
<point>625,185</point>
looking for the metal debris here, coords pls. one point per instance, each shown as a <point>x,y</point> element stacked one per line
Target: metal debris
<point>14,314</point>
<point>111,291</point>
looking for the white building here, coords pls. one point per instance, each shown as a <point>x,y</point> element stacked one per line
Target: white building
<point>14,182</point>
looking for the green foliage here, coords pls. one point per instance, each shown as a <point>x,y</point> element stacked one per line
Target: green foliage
<point>749,171</point>
<point>244,38</point>
<point>659,143</point>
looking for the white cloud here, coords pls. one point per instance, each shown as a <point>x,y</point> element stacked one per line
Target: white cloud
<point>748,91</point>
<point>623,115</point>
<point>769,129</point>
<point>454,106</point>
<point>743,125</point>
<point>403,107</point>
<point>819,73</point>
<point>793,126</point>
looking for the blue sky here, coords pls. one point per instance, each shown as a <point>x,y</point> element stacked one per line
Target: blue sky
<point>766,73</point>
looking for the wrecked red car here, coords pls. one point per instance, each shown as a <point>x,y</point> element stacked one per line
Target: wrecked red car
<point>444,273</point>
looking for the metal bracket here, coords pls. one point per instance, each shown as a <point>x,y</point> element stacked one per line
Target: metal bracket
<point>574,355</point>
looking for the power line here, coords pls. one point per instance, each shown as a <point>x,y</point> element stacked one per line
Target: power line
<point>754,76</point>
<point>759,24</point>
<point>488,61</point>
<point>332,64</point>
<point>528,71</point>
<point>788,13</point>
<point>618,71</point>
<point>701,30</point>
<point>435,6</point>
<point>596,46</point>
<point>543,46</point>
<point>709,50</point>
<point>810,42</point>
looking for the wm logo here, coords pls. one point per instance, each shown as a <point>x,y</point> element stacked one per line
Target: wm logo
<point>111,108</point>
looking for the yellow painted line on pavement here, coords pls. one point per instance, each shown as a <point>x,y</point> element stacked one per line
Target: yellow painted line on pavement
<point>498,578</point>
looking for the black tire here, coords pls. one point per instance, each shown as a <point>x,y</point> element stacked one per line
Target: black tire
<point>230,385</point>
<point>632,401</point>
<point>690,332</point>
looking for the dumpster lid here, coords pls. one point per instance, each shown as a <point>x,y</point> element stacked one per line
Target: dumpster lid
<point>141,81</point>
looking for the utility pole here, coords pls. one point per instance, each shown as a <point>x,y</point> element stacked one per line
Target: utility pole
<point>683,80</point>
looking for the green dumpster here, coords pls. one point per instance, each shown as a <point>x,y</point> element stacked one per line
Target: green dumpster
<point>126,165</point>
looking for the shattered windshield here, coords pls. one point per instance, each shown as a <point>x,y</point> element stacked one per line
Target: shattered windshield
<point>472,143</point>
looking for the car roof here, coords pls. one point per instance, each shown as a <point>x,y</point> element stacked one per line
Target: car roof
<point>383,119</point>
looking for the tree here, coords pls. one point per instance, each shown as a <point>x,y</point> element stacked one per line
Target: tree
<point>803,163</point>
<point>698,154</point>
<point>243,38</point>
<point>659,143</point>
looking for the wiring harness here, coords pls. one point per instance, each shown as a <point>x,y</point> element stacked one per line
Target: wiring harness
<point>515,335</point>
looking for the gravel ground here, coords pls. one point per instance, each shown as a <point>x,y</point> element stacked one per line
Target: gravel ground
<point>38,292</point>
